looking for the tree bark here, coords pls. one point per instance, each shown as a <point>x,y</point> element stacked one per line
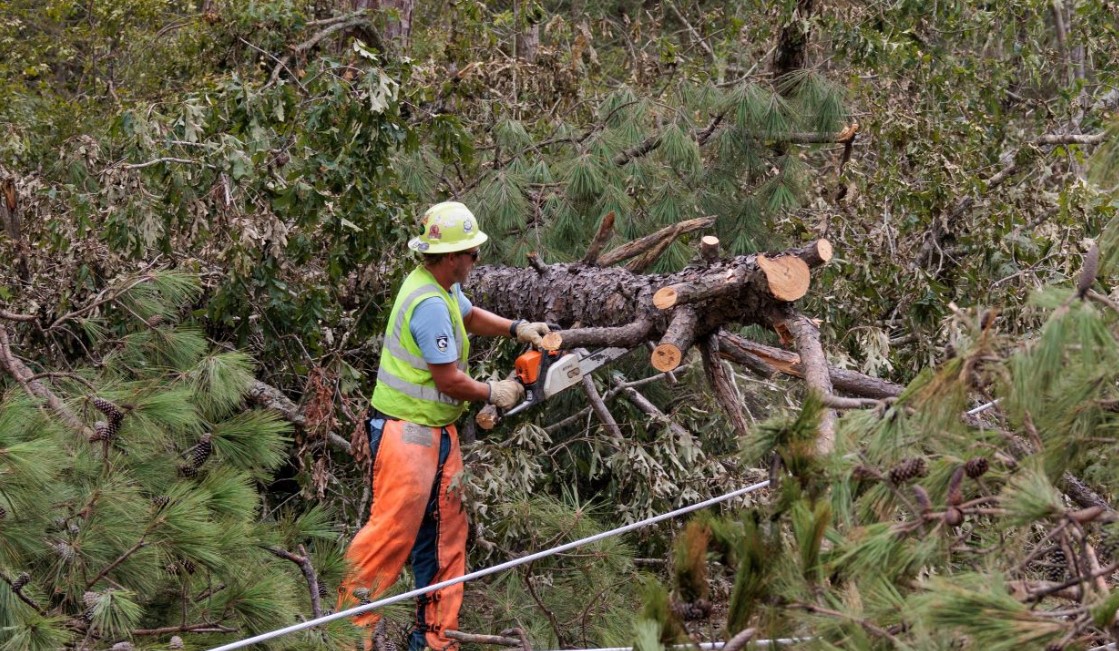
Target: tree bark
<point>614,307</point>
<point>791,53</point>
<point>398,19</point>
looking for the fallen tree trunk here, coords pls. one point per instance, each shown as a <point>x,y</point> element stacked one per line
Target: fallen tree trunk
<point>611,306</point>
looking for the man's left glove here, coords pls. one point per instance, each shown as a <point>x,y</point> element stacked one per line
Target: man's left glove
<point>506,393</point>
<point>530,333</point>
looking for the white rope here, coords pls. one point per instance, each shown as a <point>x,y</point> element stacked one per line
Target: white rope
<point>357,610</point>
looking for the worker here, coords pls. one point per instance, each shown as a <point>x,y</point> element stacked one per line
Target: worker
<point>422,388</point>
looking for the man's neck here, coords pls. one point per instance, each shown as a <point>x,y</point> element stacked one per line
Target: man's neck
<point>442,275</point>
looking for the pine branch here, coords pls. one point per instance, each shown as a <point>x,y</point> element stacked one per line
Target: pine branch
<point>18,591</point>
<point>304,563</point>
<point>205,627</point>
<point>140,544</point>
<point>867,626</point>
<point>34,388</point>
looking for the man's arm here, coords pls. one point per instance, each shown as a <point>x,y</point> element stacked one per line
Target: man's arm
<point>486,324</point>
<point>460,386</point>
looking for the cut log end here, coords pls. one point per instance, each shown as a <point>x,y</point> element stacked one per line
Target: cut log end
<point>787,276</point>
<point>824,250</point>
<point>709,248</point>
<point>666,357</point>
<point>552,341</point>
<point>487,418</point>
<point>665,298</point>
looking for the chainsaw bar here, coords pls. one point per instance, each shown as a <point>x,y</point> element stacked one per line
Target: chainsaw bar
<point>569,370</point>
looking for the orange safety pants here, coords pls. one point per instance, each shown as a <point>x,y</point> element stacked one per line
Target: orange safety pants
<point>416,511</point>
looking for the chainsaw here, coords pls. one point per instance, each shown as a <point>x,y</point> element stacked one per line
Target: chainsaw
<point>545,373</point>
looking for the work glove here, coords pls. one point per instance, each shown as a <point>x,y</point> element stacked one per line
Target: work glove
<point>530,333</point>
<point>505,394</point>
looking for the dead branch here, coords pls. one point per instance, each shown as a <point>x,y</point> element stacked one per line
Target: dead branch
<point>651,241</point>
<point>582,413</point>
<point>723,384</point>
<point>1072,138</point>
<point>598,405</point>
<point>605,230</point>
<point>651,410</point>
<point>472,638</point>
<point>776,360</point>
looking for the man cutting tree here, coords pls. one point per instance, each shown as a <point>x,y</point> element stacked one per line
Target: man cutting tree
<point>422,388</point>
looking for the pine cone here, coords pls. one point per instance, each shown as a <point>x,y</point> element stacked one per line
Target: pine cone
<point>3,513</point>
<point>692,610</point>
<point>155,320</point>
<point>114,415</point>
<point>188,471</point>
<point>1057,564</point>
<point>22,580</point>
<point>199,453</point>
<point>908,469</point>
<point>977,467</point>
<point>121,646</point>
<point>160,501</point>
<point>175,643</point>
<point>102,431</point>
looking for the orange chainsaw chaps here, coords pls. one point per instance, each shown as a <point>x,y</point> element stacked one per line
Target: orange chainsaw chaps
<point>416,514</point>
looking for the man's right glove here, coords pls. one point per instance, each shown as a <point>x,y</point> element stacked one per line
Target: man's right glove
<point>505,394</point>
<point>530,333</point>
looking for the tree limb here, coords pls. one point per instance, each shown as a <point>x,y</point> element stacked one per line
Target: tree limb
<point>723,385</point>
<point>23,375</point>
<point>309,574</point>
<point>807,339</point>
<point>651,241</point>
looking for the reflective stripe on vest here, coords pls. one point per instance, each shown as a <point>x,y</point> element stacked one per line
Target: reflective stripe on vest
<point>405,388</point>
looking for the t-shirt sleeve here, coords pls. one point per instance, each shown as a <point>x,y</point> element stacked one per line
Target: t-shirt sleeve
<point>464,304</point>
<point>433,331</point>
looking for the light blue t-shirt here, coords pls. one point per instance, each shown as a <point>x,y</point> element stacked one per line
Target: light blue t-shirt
<point>432,329</point>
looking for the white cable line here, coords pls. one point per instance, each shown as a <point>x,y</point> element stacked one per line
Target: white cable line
<point>357,610</point>
<point>982,408</point>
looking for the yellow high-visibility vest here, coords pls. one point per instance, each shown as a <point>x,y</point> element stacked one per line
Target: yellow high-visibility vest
<point>405,388</point>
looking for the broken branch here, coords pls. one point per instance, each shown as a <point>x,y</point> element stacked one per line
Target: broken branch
<point>643,244</point>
